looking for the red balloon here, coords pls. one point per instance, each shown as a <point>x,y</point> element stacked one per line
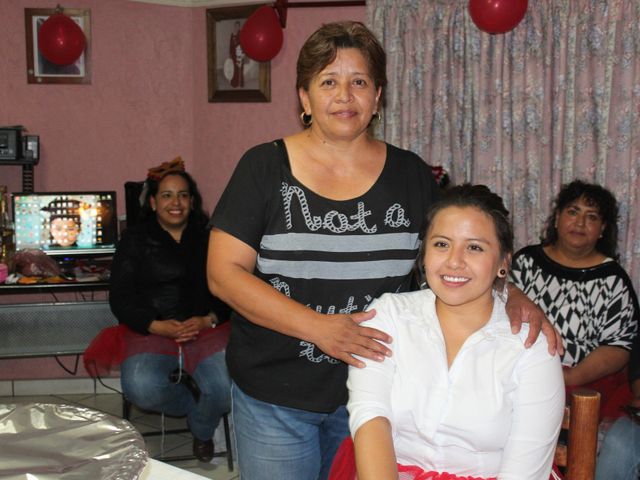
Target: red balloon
<point>261,35</point>
<point>497,16</point>
<point>60,39</point>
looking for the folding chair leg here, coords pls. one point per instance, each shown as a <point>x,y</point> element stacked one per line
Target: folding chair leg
<point>126,408</point>
<point>227,441</point>
<point>126,414</point>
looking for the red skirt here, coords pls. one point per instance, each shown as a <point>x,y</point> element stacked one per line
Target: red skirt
<point>344,468</point>
<point>614,393</point>
<point>113,345</point>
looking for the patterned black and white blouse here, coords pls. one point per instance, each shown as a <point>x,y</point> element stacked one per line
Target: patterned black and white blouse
<point>590,307</point>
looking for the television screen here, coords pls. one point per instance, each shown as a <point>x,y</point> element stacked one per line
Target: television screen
<point>66,223</point>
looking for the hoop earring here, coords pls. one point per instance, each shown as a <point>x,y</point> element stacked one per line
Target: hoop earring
<point>377,117</point>
<point>502,272</point>
<point>306,119</point>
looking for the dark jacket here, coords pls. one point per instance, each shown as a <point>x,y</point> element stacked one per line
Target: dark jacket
<point>153,277</point>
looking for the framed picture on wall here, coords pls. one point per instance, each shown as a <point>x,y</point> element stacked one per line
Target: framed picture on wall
<point>39,69</point>
<point>233,76</point>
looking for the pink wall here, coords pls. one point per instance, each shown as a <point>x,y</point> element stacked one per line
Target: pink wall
<point>146,104</point>
<point>147,101</point>
<point>223,131</point>
<point>136,112</point>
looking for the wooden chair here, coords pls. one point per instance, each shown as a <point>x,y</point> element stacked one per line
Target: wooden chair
<point>581,419</point>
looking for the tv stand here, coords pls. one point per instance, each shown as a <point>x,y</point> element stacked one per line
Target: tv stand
<point>77,273</point>
<point>37,329</point>
<point>51,329</point>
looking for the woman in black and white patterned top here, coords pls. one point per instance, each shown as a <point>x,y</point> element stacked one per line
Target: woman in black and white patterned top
<point>575,278</point>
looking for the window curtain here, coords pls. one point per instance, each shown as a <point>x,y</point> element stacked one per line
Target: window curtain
<point>524,112</point>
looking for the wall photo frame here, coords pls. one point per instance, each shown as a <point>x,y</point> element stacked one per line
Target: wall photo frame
<point>232,75</point>
<point>41,71</point>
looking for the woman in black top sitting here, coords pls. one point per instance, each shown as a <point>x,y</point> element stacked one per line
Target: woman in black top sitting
<point>159,290</point>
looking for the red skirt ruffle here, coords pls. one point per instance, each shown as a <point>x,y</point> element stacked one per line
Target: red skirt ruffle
<point>614,393</point>
<point>344,468</point>
<point>113,345</point>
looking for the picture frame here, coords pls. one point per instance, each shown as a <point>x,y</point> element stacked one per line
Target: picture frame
<point>232,75</point>
<point>39,70</point>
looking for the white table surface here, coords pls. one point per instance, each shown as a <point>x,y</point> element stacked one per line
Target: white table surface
<point>156,470</point>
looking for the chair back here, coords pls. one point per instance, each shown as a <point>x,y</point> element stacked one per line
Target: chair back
<point>581,419</point>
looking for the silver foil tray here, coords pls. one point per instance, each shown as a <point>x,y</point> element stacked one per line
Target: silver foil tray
<point>42,441</point>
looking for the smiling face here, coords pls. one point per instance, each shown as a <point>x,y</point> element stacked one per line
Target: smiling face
<point>579,226</point>
<point>462,257</point>
<point>342,97</point>
<point>64,231</point>
<point>172,203</point>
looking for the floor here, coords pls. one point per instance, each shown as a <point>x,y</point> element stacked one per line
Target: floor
<point>171,445</point>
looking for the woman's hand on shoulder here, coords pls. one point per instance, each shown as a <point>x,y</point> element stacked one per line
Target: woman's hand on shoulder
<point>521,308</point>
<point>341,336</point>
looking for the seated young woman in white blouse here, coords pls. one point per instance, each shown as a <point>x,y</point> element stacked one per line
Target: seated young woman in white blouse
<point>461,394</point>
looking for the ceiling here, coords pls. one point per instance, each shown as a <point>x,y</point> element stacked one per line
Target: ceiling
<point>204,3</point>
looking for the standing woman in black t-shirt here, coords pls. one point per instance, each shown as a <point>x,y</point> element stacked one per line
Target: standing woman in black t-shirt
<point>310,229</point>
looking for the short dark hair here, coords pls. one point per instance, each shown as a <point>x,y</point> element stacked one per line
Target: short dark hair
<point>322,46</point>
<point>197,214</point>
<point>595,196</point>
<point>476,196</point>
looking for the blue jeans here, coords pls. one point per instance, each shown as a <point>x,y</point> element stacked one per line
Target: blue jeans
<point>275,442</point>
<point>619,457</point>
<point>145,383</point>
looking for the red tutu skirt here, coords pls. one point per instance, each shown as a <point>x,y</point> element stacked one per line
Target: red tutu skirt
<point>614,393</point>
<point>113,345</point>
<point>344,468</point>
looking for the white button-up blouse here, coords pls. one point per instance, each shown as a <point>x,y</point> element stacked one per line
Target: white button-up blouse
<point>495,412</point>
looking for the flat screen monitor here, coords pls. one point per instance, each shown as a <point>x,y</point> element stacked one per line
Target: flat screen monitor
<point>66,223</point>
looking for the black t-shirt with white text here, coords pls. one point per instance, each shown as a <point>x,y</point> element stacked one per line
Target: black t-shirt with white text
<point>332,256</point>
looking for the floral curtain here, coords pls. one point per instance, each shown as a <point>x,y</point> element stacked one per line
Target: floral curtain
<point>555,99</point>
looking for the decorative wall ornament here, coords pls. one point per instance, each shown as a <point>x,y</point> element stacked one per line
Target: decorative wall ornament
<point>233,76</point>
<point>61,44</point>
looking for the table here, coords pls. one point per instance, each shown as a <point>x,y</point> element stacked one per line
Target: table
<point>6,288</point>
<point>31,436</point>
<point>51,441</point>
<point>156,470</point>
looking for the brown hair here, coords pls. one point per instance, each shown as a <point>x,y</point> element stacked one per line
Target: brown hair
<point>322,46</point>
<point>596,196</point>
<point>474,196</point>
<point>197,214</point>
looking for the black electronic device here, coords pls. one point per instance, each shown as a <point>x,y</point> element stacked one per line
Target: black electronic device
<point>10,144</point>
<point>31,148</point>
